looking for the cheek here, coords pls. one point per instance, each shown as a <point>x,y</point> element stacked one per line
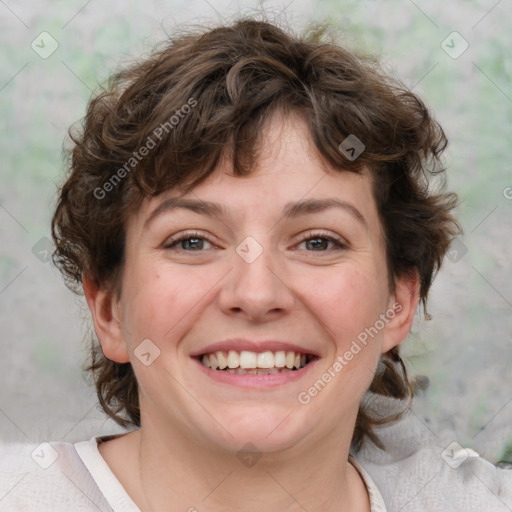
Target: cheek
<point>160,302</point>
<point>346,301</point>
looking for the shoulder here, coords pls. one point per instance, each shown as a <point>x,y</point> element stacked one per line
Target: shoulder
<point>46,476</point>
<point>432,479</point>
<point>420,470</point>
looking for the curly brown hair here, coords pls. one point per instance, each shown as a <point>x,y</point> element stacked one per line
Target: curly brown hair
<point>231,79</point>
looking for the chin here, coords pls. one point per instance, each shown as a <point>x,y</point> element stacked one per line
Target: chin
<point>268,429</point>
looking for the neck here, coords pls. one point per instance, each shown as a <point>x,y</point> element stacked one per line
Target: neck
<point>168,468</point>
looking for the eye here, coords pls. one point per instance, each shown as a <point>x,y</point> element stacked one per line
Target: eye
<point>321,242</point>
<point>190,242</point>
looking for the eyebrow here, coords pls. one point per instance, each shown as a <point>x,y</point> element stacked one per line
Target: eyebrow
<point>306,206</point>
<point>291,210</point>
<point>198,206</point>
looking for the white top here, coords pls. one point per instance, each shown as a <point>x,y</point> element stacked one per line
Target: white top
<point>119,500</point>
<point>66,475</point>
<point>418,472</point>
<point>376,501</point>
<point>108,485</point>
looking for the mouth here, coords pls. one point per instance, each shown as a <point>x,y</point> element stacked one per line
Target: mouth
<point>256,363</point>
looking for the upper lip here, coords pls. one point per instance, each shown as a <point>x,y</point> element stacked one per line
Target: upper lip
<point>240,344</point>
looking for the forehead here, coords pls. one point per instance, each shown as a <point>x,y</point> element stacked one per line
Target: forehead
<point>288,170</point>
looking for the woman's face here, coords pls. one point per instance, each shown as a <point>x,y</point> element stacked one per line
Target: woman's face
<point>255,270</point>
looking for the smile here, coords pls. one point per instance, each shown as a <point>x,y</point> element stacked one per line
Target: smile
<point>255,363</point>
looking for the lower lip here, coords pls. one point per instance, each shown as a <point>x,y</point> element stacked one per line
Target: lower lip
<point>256,381</point>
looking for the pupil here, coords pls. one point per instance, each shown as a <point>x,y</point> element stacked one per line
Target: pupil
<point>318,243</point>
<point>191,243</point>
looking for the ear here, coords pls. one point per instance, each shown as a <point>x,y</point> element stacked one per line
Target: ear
<point>401,310</point>
<point>105,311</point>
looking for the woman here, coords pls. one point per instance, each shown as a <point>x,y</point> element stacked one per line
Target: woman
<point>249,216</point>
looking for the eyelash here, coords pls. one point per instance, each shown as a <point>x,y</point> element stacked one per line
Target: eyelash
<point>185,236</point>
<point>338,244</point>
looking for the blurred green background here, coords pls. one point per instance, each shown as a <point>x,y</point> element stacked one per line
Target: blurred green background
<point>55,53</point>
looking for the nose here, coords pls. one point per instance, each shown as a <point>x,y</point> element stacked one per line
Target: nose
<point>256,290</point>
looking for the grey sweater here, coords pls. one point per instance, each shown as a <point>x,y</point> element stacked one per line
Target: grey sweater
<point>419,471</point>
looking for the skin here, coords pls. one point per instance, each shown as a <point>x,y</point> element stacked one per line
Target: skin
<point>185,296</point>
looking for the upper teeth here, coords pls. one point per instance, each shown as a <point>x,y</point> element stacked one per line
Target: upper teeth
<point>245,359</point>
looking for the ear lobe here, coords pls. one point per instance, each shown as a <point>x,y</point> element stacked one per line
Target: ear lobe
<point>106,316</point>
<point>404,304</point>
